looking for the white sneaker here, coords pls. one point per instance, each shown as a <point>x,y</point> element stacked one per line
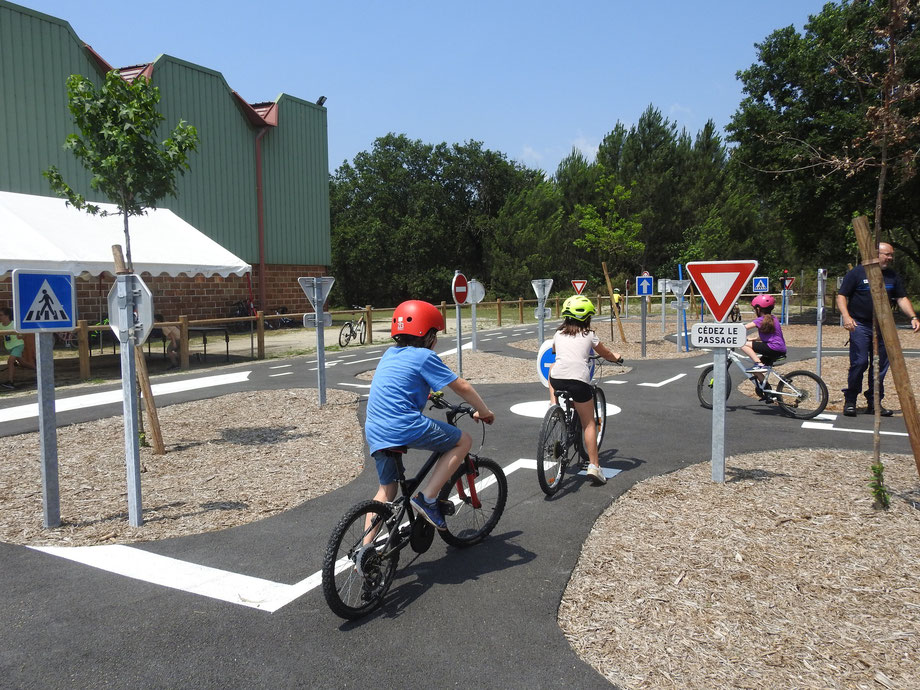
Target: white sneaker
<point>597,474</point>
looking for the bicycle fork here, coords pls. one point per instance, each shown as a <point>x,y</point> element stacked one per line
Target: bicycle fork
<point>471,474</point>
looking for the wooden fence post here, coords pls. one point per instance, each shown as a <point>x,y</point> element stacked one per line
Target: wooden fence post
<point>369,324</point>
<point>260,332</point>
<point>498,305</point>
<point>521,309</point>
<point>183,341</point>
<point>83,345</point>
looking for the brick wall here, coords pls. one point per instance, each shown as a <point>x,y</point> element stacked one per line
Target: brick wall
<point>198,297</point>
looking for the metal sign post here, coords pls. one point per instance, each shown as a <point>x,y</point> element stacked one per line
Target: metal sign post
<point>125,297</point>
<point>475,293</point>
<point>644,284</point>
<point>45,302</point>
<point>317,290</point>
<point>542,287</point>
<point>679,287</point>
<point>458,288</point>
<point>663,289</point>
<point>719,360</point>
<point>822,282</point>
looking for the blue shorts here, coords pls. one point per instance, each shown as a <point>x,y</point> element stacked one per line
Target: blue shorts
<point>440,437</point>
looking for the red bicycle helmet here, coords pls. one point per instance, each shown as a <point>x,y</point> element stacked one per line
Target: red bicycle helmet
<point>416,317</point>
<point>763,301</point>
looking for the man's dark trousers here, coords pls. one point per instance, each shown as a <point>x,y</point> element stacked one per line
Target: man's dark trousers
<point>860,360</point>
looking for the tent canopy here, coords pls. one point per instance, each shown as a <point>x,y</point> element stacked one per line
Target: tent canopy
<point>46,233</point>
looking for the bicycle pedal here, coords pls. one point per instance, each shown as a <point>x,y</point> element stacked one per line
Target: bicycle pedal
<point>447,507</point>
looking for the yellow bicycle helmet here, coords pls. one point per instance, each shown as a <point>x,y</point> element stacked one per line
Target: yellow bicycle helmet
<point>578,307</point>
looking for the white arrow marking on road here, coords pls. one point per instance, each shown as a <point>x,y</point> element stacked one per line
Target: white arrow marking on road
<point>234,588</point>
<point>662,383</point>
<point>79,402</point>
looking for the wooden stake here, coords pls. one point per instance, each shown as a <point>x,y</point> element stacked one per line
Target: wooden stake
<point>143,381</point>
<point>613,310</point>
<point>890,335</point>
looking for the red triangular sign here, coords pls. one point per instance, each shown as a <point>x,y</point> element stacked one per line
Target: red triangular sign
<point>721,282</point>
<point>579,285</point>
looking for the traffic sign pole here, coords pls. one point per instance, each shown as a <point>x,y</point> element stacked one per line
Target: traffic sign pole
<point>124,296</point>
<point>318,299</point>
<point>541,288</point>
<point>822,282</point>
<point>47,428</point>
<point>719,367</point>
<point>459,290</point>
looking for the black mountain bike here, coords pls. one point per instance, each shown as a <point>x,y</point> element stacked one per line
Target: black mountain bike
<point>561,436</point>
<point>353,330</point>
<point>364,548</point>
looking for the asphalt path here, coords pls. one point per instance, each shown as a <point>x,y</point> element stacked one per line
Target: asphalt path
<point>483,615</point>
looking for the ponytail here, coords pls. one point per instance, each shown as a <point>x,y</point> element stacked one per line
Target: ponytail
<point>768,325</point>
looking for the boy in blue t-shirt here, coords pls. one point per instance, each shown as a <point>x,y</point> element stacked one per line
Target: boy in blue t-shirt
<point>399,390</point>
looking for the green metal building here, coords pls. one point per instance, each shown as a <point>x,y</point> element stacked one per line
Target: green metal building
<point>258,184</point>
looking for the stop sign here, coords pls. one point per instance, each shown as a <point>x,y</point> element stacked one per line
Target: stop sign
<point>459,288</point>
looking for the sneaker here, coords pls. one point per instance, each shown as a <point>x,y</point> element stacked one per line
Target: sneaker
<point>430,511</point>
<point>883,411</point>
<point>849,410</point>
<point>758,368</point>
<point>597,474</point>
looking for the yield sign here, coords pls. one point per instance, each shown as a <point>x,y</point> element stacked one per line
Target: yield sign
<point>721,282</point>
<point>788,282</point>
<point>579,285</point>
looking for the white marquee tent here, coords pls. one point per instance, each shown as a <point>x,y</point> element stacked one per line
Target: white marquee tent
<point>45,233</point>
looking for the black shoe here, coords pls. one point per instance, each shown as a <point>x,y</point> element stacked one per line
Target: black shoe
<point>849,410</point>
<point>883,411</point>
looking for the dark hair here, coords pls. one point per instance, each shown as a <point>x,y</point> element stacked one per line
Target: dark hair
<point>572,326</point>
<point>7,311</point>
<point>406,340</point>
<point>768,325</point>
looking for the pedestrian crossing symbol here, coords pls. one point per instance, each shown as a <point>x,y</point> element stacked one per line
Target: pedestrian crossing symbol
<point>761,284</point>
<point>44,301</point>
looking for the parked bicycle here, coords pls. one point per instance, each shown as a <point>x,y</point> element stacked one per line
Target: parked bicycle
<point>561,434</point>
<point>363,551</point>
<point>800,394</point>
<point>353,330</point>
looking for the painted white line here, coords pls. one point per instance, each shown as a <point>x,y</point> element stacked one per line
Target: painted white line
<point>347,356</point>
<point>829,416</point>
<point>614,382</point>
<point>283,373</point>
<point>662,383</point>
<point>233,588</point>
<point>453,351</point>
<point>79,402</point>
<point>369,359</point>
<point>830,427</point>
<point>502,336</point>
<point>484,340</point>
<point>282,366</point>
<point>703,365</point>
<point>356,385</point>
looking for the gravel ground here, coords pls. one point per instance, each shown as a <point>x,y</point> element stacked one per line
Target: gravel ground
<point>783,577</point>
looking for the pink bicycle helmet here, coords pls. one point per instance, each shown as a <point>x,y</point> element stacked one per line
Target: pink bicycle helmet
<point>763,301</point>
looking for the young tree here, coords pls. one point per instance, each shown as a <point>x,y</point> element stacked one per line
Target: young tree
<point>118,124</point>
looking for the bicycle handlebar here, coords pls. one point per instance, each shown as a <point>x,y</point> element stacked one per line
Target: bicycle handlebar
<point>453,411</point>
<point>598,358</point>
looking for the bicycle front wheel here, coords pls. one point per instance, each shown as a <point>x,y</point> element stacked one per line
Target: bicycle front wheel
<point>552,451</point>
<point>362,331</point>
<point>357,575</point>
<point>479,501</point>
<point>801,394</point>
<point>346,334</point>
<point>705,383</point>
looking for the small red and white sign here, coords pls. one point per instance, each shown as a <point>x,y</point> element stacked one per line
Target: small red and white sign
<point>459,288</point>
<point>788,282</point>
<point>721,282</point>
<point>579,285</point>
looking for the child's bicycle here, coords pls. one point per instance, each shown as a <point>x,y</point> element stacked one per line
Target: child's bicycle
<point>364,548</point>
<point>561,435</point>
<point>800,394</point>
<point>353,330</point>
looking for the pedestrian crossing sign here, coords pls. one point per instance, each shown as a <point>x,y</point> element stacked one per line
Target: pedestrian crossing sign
<point>761,284</point>
<point>44,301</point>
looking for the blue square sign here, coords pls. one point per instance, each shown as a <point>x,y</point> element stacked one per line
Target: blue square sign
<point>645,285</point>
<point>761,284</point>
<point>44,301</point>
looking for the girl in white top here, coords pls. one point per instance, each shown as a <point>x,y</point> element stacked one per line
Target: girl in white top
<point>572,345</point>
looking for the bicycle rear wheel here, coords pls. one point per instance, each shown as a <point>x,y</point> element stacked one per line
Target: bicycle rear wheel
<point>362,331</point>
<point>346,334</point>
<point>705,383</point>
<point>801,394</point>
<point>356,576</point>
<point>477,509</point>
<point>552,451</point>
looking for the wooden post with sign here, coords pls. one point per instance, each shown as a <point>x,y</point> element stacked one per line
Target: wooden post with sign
<point>889,334</point>
<point>613,312</point>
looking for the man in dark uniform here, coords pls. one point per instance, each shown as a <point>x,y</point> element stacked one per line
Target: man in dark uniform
<point>854,300</point>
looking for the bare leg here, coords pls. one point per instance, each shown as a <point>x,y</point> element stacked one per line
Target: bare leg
<point>446,466</point>
<point>589,426</point>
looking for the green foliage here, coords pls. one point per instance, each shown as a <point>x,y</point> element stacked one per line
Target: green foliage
<point>117,144</point>
<point>879,492</point>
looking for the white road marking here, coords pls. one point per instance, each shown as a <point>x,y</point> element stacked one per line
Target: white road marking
<point>537,409</point>
<point>283,373</point>
<point>282,366</point>
<point>233,588</point>
<point>825,426</point>
<point>369,359</point>
<point>662,383</point>
<point>453,351</point>
<point>356,385</point>
<point>79,402</point>
<point>614,382</point>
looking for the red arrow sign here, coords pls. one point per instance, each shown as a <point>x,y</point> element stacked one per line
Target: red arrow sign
<point>721,282</point>
<point>579,285</point>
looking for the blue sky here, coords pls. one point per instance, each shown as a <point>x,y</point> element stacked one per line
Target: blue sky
<point>530,79</point>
